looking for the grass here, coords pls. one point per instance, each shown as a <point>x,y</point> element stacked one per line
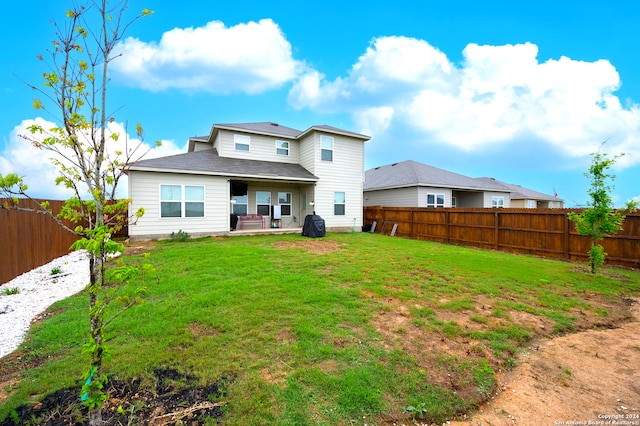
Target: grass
<point>11,290</point>
<point>352,334</point>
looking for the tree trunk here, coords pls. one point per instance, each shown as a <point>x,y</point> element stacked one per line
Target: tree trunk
<point>592,257</point>
<point>95,315</point>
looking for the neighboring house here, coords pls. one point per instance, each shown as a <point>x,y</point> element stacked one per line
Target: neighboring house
<point>527,198</point>
<point>413,184</point>
<point>248,169</point>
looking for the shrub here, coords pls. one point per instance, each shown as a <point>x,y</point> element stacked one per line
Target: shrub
<point>180,236</point>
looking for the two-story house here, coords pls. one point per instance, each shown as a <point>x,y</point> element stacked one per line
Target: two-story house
<point>255,169</point>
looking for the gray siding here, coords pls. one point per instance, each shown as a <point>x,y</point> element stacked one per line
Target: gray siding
<point>399,197</point>
<point>488,196</point>
<point>469,199</point>
<point>199,146</point>
<point>261,148</point>
<point>423,191</point>
<point>144,190</point>
<point>344,174</point>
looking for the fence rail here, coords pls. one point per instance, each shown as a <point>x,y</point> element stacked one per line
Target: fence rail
<point>29,240</point>
<point>541,232</point>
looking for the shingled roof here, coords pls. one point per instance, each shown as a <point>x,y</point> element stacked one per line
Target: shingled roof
<point>275,129</point>
<point>208,162</point>
<point>519,192</point>
<point>263,128</point>
<point>411,173</point>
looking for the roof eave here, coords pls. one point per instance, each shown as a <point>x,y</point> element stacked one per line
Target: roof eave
<point>430,185</point>
<point>335,132</point>
<point>225,174</point>
<point>218,127</point>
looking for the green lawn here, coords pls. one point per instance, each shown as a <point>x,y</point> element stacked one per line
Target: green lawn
<point>360,328</point>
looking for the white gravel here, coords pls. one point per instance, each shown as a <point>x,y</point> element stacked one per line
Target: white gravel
<point>37,290</point>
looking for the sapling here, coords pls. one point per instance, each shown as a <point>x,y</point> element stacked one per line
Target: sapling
<point>600,219</point>
<point>75,93</point>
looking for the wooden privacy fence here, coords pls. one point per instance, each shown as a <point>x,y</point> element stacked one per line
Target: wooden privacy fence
<point>29,240</point>
<point>541,232</point>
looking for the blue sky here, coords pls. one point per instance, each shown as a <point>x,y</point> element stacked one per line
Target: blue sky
<point>520,91</point>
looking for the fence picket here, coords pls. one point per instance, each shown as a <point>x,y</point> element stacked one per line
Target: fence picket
<point>541,232</point>
<point>29,240</point>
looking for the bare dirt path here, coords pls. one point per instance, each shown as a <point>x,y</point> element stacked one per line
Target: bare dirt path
<point>588,378</point>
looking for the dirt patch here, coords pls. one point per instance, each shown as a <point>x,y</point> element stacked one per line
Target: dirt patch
<point>173,399</point>
<point>437,356</point>
<point>582,377</point>
<point>198,330</point>
<point>138,247</point>
<point>577,377</point>
<point>312,246</point>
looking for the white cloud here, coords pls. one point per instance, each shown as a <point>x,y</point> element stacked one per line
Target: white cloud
<point>497,97</point>
<point>374,120</point>
<point>389,71</point>
<point>22,158</point>
<point>248,58</point>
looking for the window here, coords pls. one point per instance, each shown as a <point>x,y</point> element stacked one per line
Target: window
<point>326,148</point>
<point>435,200</point>
<point>194,201</point>
<point>170,201</point>
<point>454,202</point>
<point>339,203</point>
<point>242,142</point>
<point>284,199</point>
<point>531,204</point>
<point>241,204</point>
<point>263,203</point>
<point>181,201</point>
<point>497,201</point>
<point>282,148</point>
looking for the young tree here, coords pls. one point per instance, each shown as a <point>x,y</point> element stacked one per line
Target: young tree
<point>75,94</point>
<point>600,219</point>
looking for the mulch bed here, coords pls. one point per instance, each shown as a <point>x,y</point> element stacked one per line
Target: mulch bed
<point>173,400</point>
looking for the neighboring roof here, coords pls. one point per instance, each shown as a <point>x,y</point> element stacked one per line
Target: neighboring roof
<point>208,162</point>
<point>272,129</point>
<point>411,173</point>
<point>519,192</point>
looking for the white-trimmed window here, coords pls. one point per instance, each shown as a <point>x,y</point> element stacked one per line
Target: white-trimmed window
<point>497,201</point>
<point>326,148</point>
<point>531,204</point>
<point>435,200</point>
<point>263,203</point>
<point>242,142</point>
<point>241,204</point>
<point>181,201</point>
<point>282,148</point>
<point>284,199</point>
<point>454,202</point>
<point>339,204</point>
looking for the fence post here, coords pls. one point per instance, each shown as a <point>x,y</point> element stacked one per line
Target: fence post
<point>411,224</point>
<point>566,235</point>
<point>496,233</point>
<point>447,217</point>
